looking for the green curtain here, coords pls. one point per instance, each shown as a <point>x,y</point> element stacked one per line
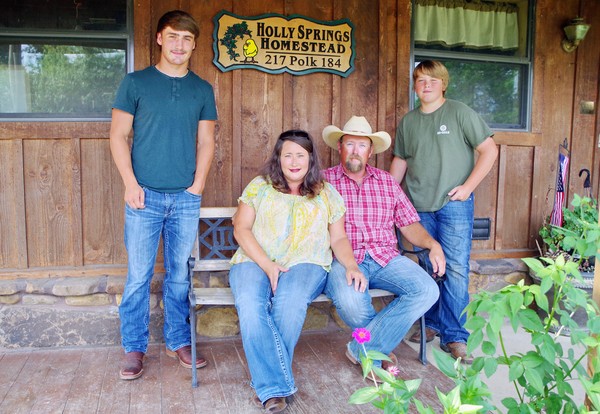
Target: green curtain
<point>470,24</point>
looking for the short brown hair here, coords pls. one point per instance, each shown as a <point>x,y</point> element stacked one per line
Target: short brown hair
<point>435,69</point>
<point>178,20</point>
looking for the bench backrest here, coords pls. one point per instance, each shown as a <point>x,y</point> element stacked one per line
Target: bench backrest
<point>215,243</point>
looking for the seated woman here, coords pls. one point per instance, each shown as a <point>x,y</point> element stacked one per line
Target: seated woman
<point>287,224</point>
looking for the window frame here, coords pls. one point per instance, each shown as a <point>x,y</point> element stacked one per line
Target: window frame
<point>40,35</point>
<point>526,62</point>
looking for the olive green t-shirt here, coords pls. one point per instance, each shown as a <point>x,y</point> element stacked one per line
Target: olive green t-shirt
<point>438,149</point>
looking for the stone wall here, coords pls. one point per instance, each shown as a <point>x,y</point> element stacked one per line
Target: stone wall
<point>84,311</point>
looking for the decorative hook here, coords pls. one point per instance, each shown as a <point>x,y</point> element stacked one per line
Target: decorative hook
<point>586,182</point>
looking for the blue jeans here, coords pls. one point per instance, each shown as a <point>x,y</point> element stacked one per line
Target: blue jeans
<point>175,216</point>
<point>271,324</point>
<point>452,227</point>
<point>415,290</point>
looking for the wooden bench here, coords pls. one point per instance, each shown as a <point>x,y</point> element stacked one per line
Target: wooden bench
<point>214,246</point>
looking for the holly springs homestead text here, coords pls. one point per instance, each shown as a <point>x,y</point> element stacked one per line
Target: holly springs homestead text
<point>308,40</point>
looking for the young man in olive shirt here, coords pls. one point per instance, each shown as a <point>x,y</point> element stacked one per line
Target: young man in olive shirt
<point>434,155</point>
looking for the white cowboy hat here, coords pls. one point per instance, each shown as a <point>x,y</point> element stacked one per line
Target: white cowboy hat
<point>358,126</point>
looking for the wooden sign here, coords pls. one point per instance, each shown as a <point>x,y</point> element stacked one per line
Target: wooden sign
<point>274,43</point>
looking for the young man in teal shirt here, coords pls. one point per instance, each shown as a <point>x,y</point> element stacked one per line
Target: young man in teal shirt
<point>172,113</point>
<point>434,155</point>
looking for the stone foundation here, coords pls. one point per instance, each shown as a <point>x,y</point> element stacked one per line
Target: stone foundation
<point>84,311</point>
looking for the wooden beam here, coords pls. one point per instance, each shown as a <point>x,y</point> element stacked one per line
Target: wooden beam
<point>519,139</point>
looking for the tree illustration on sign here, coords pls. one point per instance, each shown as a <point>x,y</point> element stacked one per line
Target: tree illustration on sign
<point>238,29</point>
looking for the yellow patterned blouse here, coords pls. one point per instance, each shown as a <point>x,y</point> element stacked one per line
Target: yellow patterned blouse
<point>292,229</point>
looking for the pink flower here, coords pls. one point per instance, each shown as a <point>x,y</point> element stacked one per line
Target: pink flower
<point>361,335</point>
<point>393,370</point>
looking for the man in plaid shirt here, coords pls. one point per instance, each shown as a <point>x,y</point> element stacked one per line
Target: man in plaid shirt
<point>375,204</point>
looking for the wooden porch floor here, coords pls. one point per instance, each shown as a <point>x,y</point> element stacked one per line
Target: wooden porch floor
<point>85,380</point>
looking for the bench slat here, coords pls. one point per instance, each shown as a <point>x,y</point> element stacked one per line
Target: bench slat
<point>211,265</point>
<point>223,296</point>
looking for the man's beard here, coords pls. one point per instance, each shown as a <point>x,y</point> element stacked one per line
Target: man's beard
<point>354,167</point>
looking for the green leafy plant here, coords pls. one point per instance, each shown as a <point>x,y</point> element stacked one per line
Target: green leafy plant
<point>542,376</point>
<point>395,395</point>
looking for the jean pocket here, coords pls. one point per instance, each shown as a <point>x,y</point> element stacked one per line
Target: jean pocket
<point>197,196</point>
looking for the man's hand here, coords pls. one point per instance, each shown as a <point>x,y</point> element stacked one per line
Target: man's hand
<point>355,276</point>
<point>134,197</point>
<point>460,193</point>
<point>437,259</point>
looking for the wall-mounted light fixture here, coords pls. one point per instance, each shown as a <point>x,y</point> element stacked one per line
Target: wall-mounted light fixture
<point>575,31</point>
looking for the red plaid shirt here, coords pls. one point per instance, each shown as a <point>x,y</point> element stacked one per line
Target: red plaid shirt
<point>373,208</point>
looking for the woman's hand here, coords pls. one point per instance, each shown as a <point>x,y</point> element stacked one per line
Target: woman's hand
<point>273,270</point>
<point>243,220</point>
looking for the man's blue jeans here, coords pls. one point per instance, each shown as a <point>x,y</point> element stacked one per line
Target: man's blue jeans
<point>271,324</point>
<point>415,290</point>
<point>452,227</point>
<point>175,216</point>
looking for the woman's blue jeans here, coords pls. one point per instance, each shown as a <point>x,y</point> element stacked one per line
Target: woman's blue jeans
<point>452,227</point>
<point>175,216</point>
<point>415,290</point>
<point>271,324</point>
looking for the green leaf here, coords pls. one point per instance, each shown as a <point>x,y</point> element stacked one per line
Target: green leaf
<point>546,284</point>
<point>474,341</point>
<point>534,264</point>
<point>491,365</point>
<point>532,360</point>
<point>492,335</point>
<point>515,371</point>
<point>475,322</point>
<point>422,409</point>
<point>496,321</point>
<point>364,395</point>
<point>488,348</point>
<point>510,403</point>
<point>454,397</point>
<point>534,378</point>
<point>515,301</point>
<point>377,356</point>
<point>469,408</point>
<point>530,320</point>
<point>445,363</point>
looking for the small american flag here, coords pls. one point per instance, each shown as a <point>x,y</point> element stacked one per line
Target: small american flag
<point>556,218</point>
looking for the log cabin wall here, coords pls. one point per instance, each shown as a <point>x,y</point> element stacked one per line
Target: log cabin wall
<point>61,208</point>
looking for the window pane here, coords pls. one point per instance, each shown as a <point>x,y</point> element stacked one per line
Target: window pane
<point>494,90</point>
<point>75,79</point>
<point>103,15</point>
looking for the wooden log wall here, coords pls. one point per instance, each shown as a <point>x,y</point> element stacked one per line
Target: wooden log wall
<point>61,208</point>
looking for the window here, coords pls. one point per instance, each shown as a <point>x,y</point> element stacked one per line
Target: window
<point>486,46</point>
<point>62,59</point>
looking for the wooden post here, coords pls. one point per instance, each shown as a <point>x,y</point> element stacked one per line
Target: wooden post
<point>596,296</point>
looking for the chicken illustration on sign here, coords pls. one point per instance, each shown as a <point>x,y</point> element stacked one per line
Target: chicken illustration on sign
<point>250,50</point>
<point>275,43</point>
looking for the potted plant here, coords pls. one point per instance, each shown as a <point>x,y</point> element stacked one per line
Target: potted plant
<point>561,240</point>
